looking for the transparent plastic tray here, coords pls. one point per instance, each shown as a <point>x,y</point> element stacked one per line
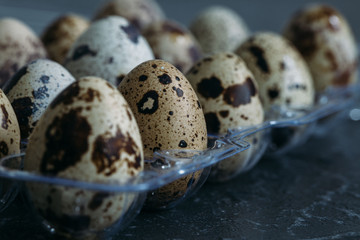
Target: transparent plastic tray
<point>169,166</point>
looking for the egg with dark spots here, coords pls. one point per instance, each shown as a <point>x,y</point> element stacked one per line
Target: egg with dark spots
<point>282,74</point>
<point>229,95</point>
<point>109,49</point>
<point>326,41</point>
<point>32,89</point>
<point>167,120</point>
<point>9,128</point>
<point>219,29</point>
<point>88,133</point>
<point>172,42</point>
<point>140,13</point>
<point>61,34</point>
<point>19,45</point>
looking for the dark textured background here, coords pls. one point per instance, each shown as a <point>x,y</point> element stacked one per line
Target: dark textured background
<point>313,192</point>
<point>258,14</point>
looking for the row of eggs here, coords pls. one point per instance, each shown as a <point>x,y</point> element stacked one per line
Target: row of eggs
<point>85,129</point>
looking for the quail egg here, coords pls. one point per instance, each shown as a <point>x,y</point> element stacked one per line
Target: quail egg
<point>32,89</point>
<point>172,42</point>
<point>169,116</point>
<point>229,96</point>
<point>139,12</point>
<point>219,29</point>
<point>19,45</point>
<point>324,38</point>
<point>282,74</point>
<point>88,133</point>
<point>61,34</point>
<point>109,49</point>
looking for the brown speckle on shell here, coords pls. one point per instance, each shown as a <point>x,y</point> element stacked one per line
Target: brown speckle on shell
<point>23,108</point>
<point>149,103</point>
<point>210,87</point>
<point>44,79</point>
<point>5,117</point>
<point>261,61</point>
<point>4,149</point>
<point>67,140</point>
<point>183,144</point>
<point>143,78</point>
<point>165,79</point>
<point>212,122</point>
<point>97,200</point>
<point>273,93</point>
<point>237,95</point>
<point>82,51</point>
<point>224,113</point>
<point>107,150</point>
<point>132,33</point>
<point>40,93</point>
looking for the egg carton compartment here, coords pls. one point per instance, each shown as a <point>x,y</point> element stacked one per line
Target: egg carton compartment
<point>189,168</point>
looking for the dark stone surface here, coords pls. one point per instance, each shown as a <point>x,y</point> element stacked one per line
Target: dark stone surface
<point>313,192</point>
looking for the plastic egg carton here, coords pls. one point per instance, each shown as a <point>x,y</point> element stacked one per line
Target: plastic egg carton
<point>169,166</point>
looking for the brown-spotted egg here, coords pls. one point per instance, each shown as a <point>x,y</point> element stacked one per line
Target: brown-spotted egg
<point>61,34</point>
<point>219,29</point>
<point>229,96</point>
<point>9,128</point>
<point>139,12</point>
<point>172,42</point>
<point>169,116</point>
<point>32,89</point>
<point>109,49</point>
<point>281,72</point>
<point>88,133</point>
<point>19,45</point>
<point>324,38</point>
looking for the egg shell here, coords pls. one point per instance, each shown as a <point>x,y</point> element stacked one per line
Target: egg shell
<point>169,116</point>
<point>88,133</point>
<point>229,96</point>
<point>327,43</point>
<point>282,74</point>
<point>219,29</point>
<point>172,42</point>
<point>59,36</point>
<point>165,106</point>
<point>19,45</point>
<point>32,89</point>
<point>139,12</point>
<point>109,49</point>
<point>227,92</point>
<point>9,129</point>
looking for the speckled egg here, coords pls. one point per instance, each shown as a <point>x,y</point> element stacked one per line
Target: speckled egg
<point>61,34</point>
<point>169,116</point>
<point>19,45</point>
<point>219,29</point>
<point>227,92</point>
<point>139,12</point>
<point>282,74</point>
<point>229,96</point>
<point>325,40</point>
<point>109,49</point>
<point>172,42</point>
<point>32,89</point>
<point>9,129</point>
<point>88,133</point>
